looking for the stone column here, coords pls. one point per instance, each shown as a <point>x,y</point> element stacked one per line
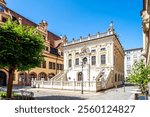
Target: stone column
<point>42,79</point>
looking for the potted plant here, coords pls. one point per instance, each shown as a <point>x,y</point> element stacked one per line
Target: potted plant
<point>140,75</point>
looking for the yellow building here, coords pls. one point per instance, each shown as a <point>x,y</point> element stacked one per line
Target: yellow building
<point>53,55</point>
<point>146,29</point>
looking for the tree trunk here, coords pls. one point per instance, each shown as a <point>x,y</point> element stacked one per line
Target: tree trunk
<point>10,82</point>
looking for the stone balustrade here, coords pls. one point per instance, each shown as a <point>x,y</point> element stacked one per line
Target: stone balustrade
<point>70,85</point>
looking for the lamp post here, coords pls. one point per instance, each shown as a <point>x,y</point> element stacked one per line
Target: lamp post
<point>84,60</point>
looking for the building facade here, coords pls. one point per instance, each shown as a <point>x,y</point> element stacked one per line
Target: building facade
<point>145,14</point>
<point>131,56</point>
<point>53,54</point>
<point>104,59</point>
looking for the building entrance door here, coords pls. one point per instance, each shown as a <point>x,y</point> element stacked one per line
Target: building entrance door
<point>79,76</point>
<point>2,78</point>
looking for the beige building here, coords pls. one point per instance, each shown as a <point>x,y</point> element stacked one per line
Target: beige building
<point>146,29</point>
<point>53,54</point>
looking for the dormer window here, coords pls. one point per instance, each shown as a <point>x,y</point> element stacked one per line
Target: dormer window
<point>1,8</point>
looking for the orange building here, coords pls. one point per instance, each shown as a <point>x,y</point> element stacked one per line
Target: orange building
<point>53,54</point>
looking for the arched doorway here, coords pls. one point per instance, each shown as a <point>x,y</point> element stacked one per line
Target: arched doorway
<point>51,75</point>
<point>3,78</point>
<point>32,75</point>
<point>42,75</point>
<point>79,78</point>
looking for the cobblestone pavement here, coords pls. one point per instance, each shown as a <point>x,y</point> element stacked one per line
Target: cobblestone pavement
<point>111,94</point>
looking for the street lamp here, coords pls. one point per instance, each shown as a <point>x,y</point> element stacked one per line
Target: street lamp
<point>84,60</point>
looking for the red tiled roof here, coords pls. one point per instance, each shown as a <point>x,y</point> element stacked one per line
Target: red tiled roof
<point>51,36</point>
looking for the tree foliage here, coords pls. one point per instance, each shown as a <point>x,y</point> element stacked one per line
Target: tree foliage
<point>140,75</point>
<point>20,46</point>
<point>20,49</point>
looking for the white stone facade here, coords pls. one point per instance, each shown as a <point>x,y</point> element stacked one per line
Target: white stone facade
<point>102,51</point>
<point>131,56</point>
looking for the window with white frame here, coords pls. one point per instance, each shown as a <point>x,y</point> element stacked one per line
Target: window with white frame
<point>103,59</point>
<point>93,60</point>
<point>77,61</point>
<point>70,63</point>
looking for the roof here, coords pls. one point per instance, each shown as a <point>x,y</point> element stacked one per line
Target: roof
<point>51,36</point>
<point>133,49</point>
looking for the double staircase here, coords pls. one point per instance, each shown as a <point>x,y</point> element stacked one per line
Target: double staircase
<point>59,77</point>
<point>103,79</point>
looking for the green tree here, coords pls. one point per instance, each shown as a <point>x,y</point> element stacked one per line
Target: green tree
<point>140,75</point>
<point>20,49</point>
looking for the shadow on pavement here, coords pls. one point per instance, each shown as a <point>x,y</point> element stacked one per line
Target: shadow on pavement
<point>59,98</point>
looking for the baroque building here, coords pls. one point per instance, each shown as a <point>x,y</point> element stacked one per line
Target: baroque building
<point>131,56</point>
<point>145,14</point>
<point>104,57</point>
<point>53,53</point>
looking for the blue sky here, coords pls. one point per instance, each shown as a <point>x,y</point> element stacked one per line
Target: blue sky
<point>76,18</point>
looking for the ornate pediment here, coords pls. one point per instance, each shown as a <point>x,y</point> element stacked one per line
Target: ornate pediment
<point>84,51</point>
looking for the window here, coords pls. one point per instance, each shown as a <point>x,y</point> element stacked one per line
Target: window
<point>128,71</point>
<point>1,8</point>
<point>46,48</point>
<point>135,56</point>
<point>77,61</point>
<point>4,19</point>
<point>115,77</point>
<point>135,60</point>
<point>70,54</point>
<point>14,18</point>
<point>103,59</point>
<point>61,66</point>
<point>128,66</point>
<point>93,60</point>
<point>128,58</point>
<point>128,52</point>
<point>70,63</point>
<point>77,53</point>
<point>50,65</point>
<point>53,66</point>
<point>103,49</point>
<point>93,51</point>
<point>44,38</point>
<point>44,64</point>
<point>62,53</point>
